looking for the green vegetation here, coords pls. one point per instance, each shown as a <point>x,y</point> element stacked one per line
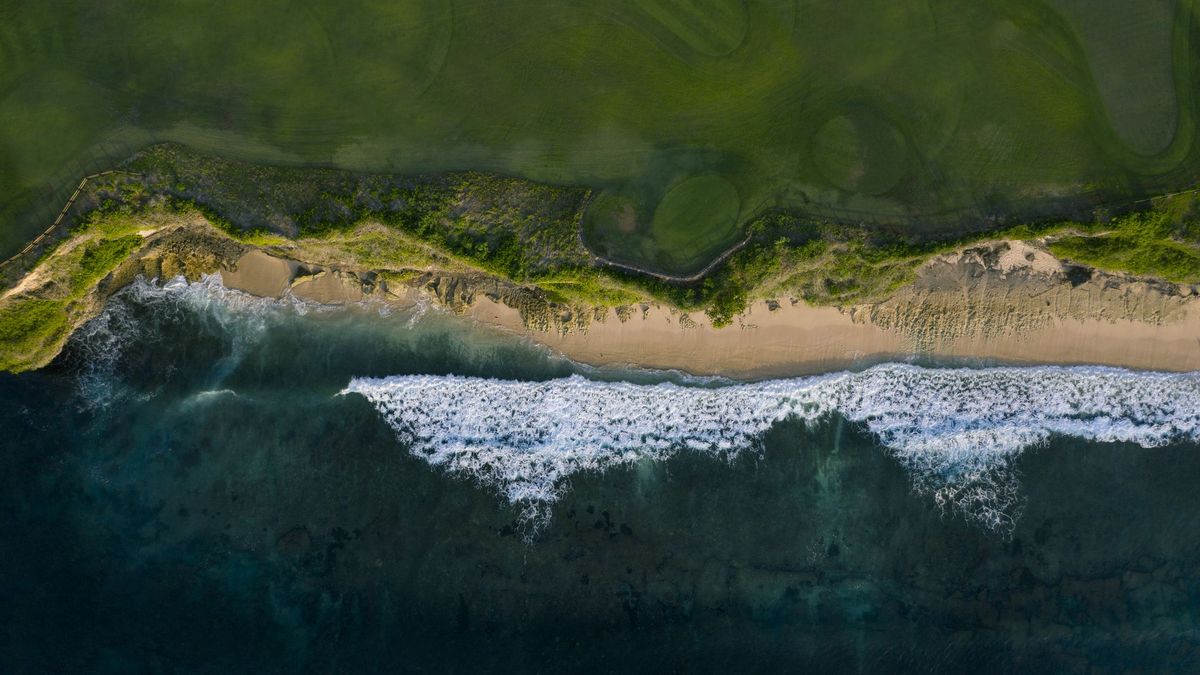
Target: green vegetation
<point>472,223</point>
<point>588,287</point>
<point>1124,47</point>
<point>821,263</point>
<point>826,264</point>
<point>709,27</point>
<point>834,264</point>
<point>33,324</point>
<point>97,259</point>
<point>860,152</point>
<point>514,226</point>
<point>1163,243</point>
<point>695,221</point>
<point>26,328</point>
<point>932,118</point>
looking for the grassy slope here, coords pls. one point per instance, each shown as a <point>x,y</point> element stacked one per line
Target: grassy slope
<point>33,324</point>
<point>1162,243</point>
<point>993,101</point>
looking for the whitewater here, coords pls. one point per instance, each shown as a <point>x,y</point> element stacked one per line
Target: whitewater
<point>956,430</point>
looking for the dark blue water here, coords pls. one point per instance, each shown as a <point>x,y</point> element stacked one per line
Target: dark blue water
<point>184,491</point>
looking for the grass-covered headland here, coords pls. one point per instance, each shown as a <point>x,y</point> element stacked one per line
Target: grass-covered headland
<point>525,233</point>
<point>32,322</point>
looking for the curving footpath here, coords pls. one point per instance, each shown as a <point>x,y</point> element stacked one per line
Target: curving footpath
<point>672,278</point>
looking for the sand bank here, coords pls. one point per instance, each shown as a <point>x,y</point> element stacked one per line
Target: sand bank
<point>261,274</point>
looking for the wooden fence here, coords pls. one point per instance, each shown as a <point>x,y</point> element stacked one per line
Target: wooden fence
<point>59,220</point>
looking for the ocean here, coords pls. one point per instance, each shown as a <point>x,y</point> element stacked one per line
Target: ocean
<point>210,482</point>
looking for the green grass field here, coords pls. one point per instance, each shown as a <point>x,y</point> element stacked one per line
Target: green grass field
<point>931,116</point>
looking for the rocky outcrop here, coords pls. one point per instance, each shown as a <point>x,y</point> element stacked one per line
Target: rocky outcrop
<point>186,252</point>
<point>458,292</point>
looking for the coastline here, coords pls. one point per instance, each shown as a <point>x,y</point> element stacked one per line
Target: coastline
<point>804,340</point>
<point>999,302</point>
<point>509,254</point>
<point>790,338</point>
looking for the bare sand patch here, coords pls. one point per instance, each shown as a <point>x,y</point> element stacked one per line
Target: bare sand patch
<point>1021,256</point>
<point>260,274</point>
<point>793,340</point>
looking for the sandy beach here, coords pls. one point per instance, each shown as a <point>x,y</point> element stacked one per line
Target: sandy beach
<point>799,340</point>
<point>1099,324</point>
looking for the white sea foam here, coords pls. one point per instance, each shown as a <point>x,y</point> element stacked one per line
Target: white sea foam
<point>956,430</point>
<point>99,343</point>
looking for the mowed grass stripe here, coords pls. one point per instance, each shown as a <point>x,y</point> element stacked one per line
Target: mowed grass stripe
<point>694,220</point>
<point>711,27</point>
<point>1129,50</point>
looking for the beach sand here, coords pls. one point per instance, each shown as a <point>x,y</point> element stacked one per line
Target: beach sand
<point>800,340</point>
<point>793,338</point>
<point>260,274</point>
<point>327,288</point>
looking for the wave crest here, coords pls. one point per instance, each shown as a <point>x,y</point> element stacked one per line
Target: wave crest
<point>955,430</point>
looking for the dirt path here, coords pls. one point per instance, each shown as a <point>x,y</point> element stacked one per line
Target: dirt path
<point>672,278</point>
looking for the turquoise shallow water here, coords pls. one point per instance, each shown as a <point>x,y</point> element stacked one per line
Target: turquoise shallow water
<point>188,490</point>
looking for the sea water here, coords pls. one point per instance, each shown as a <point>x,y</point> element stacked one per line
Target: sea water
<point>210,482</point>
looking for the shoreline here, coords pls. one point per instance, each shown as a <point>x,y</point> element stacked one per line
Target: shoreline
<point>999,302</point>
<point>782,339</point>
<point>804,340</point>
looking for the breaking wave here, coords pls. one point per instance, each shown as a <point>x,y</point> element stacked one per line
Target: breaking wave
<point>135,312</point>
<point>957,431</point>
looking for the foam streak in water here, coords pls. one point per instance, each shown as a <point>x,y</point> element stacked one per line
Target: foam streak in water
<point>955,430</point>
